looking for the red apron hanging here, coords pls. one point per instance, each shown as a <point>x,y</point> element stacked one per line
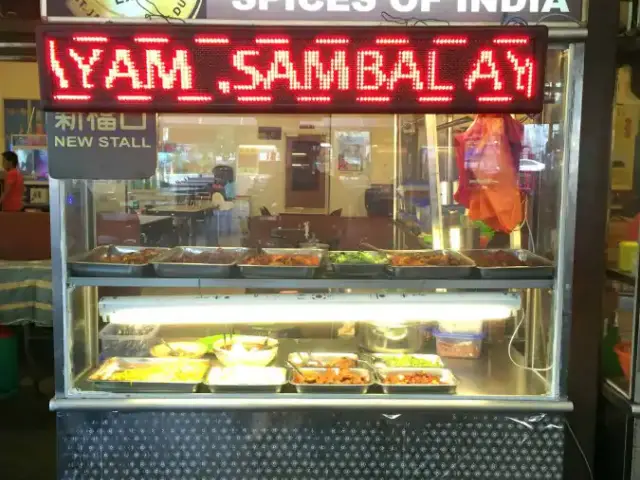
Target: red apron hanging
<point>488,159</point>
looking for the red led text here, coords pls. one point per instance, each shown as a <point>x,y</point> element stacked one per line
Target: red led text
<point>323,67</point>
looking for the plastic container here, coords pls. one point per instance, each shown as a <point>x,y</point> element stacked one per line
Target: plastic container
<point>459,345</point>
<point>473,328</point>
<point>127,340</point>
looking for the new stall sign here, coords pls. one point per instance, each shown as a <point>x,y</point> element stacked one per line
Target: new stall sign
<point>101,145</point>
<point>292,69</point>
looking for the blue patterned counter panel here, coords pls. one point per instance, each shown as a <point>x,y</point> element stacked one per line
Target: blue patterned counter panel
<point>317,445</point>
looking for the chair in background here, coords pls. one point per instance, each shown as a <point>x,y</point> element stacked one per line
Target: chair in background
<point>223,214</point>
<point>264,211</point>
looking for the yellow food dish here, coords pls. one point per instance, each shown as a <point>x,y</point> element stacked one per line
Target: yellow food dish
<point>179,372</point>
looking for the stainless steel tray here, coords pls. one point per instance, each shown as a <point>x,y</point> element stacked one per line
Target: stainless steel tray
<point>324,388</point>
<point>378,359</point>
<point>89,266</point>
<point>433,271</point>
<point>319,359</point>
<point>542,268</point>
<point>165,267</point>
<point>358,269</point>
<point>258,386</point>
<point>268,271</point>
<point>449,387</point>
<point>119,363</point>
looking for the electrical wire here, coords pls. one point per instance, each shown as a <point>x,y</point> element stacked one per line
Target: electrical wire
<point>510,346</point>
<point>513,20</point>
<point>562,15</point>
<point>584,456</point>
<point>410,21</point>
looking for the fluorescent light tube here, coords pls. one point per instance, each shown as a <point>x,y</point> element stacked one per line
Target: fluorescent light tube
<point>308,308</point>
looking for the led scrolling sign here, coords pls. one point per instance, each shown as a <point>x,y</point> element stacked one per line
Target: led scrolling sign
<point>293,69</point>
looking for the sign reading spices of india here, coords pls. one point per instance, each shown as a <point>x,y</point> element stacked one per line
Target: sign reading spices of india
<point>115,146</point>
<point>216,11</point>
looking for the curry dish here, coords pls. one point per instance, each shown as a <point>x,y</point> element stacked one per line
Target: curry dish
<point>217,257</point>
<point>427,259</point>
<point>331,376</point>
<point>284,260</point>
<point>418,378</point>
<point>499,258</point>
<point>134,258</point>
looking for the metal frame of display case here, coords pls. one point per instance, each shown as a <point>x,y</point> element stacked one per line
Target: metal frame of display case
<point>100,418</point>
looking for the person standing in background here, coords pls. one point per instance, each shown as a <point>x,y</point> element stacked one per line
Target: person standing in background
<point>12,196</point>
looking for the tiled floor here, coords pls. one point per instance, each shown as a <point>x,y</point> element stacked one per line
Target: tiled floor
<point>27,437</point>
<point>27,427</point>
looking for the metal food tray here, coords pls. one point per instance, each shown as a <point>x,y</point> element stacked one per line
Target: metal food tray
<point>164,267</point>
<point>417,388</point>
<point>325,388</point>
<point>116,363</point>
<point>378,359</point>
<point>269,271</point>
<point>88,266</point>
<point>319,359</point>
<point>358,269</point>
<point>543,269</point>
<point>433,271</point>
<point>247,388</point>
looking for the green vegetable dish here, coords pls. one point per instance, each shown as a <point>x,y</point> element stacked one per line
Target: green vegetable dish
<point>357,258</point>
<point>411,361</point>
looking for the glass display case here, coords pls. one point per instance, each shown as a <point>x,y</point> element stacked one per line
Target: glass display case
<point>342,265</point>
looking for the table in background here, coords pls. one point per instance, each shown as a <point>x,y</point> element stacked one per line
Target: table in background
<point>191,214</point>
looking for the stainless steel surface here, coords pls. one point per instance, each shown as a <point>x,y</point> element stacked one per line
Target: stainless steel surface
<point>443,373</point>
<point>359,269</point>
<point>17,45</point>
<point>356,402</point>
<point>333,388</point>
<point>434,271</point>
<point>320,359</point>
<point>116,363</point>
<point>273,271</point>
<point>566,234</point>
<point>387,338</point>
<point>165,267</point>
<point>543,268</point>
<point>568,31</point>
<point>315,283</point>
<point>433,169</point>
<point>61,320</point>
<point>253,387</point>
<point>89,264</point>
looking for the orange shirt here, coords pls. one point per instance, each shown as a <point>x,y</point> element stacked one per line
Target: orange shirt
<point>13,200</point>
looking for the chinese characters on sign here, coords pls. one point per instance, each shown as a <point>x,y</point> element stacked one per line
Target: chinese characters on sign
<point>101,145</point>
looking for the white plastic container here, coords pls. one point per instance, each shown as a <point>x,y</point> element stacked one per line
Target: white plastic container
<point>135,342</point>
<point>459,345</point>
<point>461,326</point>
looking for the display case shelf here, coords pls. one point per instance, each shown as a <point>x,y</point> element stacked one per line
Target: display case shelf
<point>321,283</point>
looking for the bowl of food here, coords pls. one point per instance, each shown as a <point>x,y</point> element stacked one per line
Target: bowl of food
<point>179,349</point>
<point>249,350</point>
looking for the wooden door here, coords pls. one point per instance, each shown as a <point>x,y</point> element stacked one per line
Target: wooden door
<point>306,172</point>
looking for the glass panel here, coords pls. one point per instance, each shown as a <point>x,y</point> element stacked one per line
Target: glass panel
<point>620,320</point>
<point>322,184</point>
